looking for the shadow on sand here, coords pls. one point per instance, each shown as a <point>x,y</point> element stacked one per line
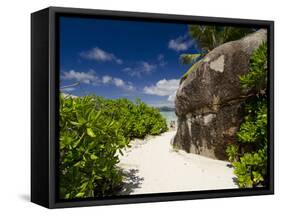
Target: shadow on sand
<point>234,179</point>
<point>25,197</point>
<point>131,181</point>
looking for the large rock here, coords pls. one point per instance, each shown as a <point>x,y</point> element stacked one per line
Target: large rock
<point>209,101</point>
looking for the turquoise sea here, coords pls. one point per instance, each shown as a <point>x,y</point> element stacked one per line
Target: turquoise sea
<point>169,116</point>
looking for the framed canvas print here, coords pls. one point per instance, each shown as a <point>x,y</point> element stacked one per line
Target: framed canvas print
<point>139,107</point>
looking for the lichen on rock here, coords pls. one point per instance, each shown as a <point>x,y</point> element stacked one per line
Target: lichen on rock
<point>218,64</point>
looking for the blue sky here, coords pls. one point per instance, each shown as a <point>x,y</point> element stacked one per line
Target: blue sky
<point>117,58</point>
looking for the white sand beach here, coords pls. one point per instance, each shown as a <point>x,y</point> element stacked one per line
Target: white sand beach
<point>153,166</point>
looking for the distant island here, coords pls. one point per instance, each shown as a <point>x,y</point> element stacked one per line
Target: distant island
<point>165,109</point>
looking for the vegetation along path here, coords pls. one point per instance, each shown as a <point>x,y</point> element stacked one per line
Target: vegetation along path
<point>153,166</point>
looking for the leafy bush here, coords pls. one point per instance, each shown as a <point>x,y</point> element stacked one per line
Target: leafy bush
<point>232,152</point>
<point>251,170</point>
<point>250,163</point>
<point>136,120</point>
<point>93,131</point>
<point>189,58</point>
<point>256,79</point>
<point>254,129</point>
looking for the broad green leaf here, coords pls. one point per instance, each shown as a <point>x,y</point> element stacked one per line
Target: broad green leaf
<point>90,132</point>
<point>93,156</point>
<point>78,141</point>
<point>98,115</point>
<point>76,123</point>
<point>84,185</point>
<point>79,195</point>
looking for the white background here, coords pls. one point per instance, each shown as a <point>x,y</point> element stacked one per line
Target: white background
<point>15,107</point>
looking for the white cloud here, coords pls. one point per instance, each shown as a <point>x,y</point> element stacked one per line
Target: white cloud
<point>147,67</point>
<point>69,95</point>
<point>69,89</point>
<point>164,88</point>
<point>142,68</point>
<point>92,78</point>
<point>172,97</point>
<point>180,44</point>
<point>127,69</point>
<point>106,79</point>
<point>161,60</point>
<point>83,77</point>
<point>160,57</point>
<point>118,83</point>
<point>100,55</point>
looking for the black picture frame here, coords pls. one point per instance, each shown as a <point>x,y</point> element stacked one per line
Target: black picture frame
<point>44,106</point>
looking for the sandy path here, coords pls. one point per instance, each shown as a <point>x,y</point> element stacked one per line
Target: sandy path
<point>152,166</point>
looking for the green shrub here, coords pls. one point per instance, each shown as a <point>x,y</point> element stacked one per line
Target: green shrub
<point>136,119</point>
<point>254,129</point>
<point>251,170</point>
<point>250,165</point>
<point>256,79</point>
<point>88,145</point>
<point>93,130</point>
<point>232,152</point>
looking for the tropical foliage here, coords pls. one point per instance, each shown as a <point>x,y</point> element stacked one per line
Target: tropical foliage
<point>250,163</point>
<point>93,133</point>
<point>210,37</point>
